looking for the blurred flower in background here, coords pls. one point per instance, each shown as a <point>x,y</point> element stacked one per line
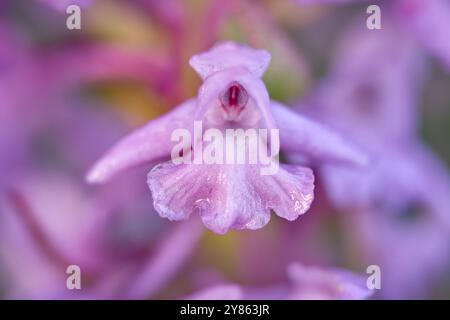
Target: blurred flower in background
<point>66,96</point>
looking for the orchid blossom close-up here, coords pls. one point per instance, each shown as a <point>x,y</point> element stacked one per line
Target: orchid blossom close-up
<point>224,150</point>
<point>224,195</point>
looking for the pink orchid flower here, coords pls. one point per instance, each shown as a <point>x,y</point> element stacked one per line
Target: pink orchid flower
<point>228,196</point>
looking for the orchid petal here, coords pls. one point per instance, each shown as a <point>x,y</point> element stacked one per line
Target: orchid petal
<point>300,134</point>
<point>149,143</point>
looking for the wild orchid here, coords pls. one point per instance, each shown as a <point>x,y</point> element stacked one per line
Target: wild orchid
<point>235,196</point>
<point>331,107</point>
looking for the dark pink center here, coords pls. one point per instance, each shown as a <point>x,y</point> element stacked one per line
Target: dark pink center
<point>234,97</point>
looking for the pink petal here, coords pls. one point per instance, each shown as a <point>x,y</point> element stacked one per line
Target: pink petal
<point>299,134</point>
<point>227,55</point>
<point>230,196</point>
<point>149,143</point>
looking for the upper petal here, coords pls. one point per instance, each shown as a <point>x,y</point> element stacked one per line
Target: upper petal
<point>227,55</point>
<point>149,143</point>
<point>315,141</point>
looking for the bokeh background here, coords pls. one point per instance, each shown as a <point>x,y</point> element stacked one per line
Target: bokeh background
<point>67,95</point>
